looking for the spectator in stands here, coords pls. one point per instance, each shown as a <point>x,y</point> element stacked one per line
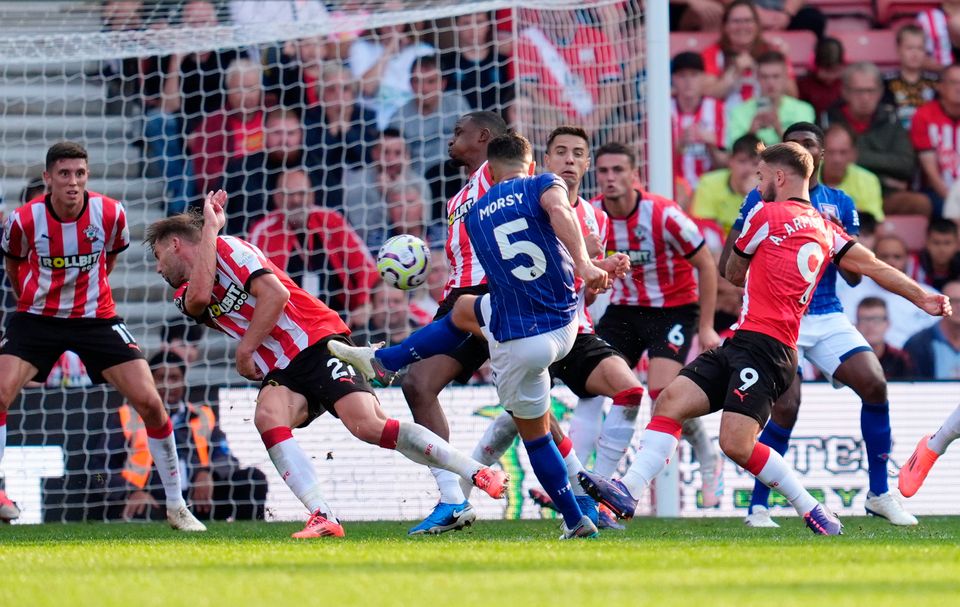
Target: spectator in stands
<point>720,193</point>
<point>696,15</point>
<point>941,28</point>
<point>772,110</point>
<point>935,351</point>
<point>390,318</point>
<point>366,188</point>
<point>339,132</point>
<point>910,86</point>
<point>181,337</point>
<point>216,485</point>
<point>474,68</point>
<point>868,230</point>
<point>839,170</point>
<point>731,63</point>
<point>252,13</point>
<point>293,79</point>
<point>873,323</point>
<point>779,15</point>
<point>883,146</point>
<point>315,246</point>
<point>905,319</point>
<point>571,69</point>
<point>939,261</point>
<point>68,372</point>
<point>699,123</point>
<point>34,188</point>
<point>381,62</point>
<point>179,91</point>
<point>121,76</point>
<point>934,134</point>
<point>251,179</point>
<point>821,88</point>
<point>406,214</point>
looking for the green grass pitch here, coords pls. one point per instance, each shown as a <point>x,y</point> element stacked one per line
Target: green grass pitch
<point>701,562</point>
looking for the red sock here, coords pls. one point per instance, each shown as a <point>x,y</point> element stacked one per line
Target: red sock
<point>758,459</point>
<point>565,446</point>
<point>654,394</point>
<point>390,434</point>
<point>3,418</point>
<point>659,423</point>
<point>162,431</point>
<point>276,435</point>
<point>629,398</point>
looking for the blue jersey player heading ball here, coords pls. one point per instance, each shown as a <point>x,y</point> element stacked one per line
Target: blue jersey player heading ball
<point>526,237</point>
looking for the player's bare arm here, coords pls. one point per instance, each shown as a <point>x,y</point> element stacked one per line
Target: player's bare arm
<point>732,237</point>
<point>860,259</point>
<point>204,270</point>
<point>736,268</point>
<point>111,262</point>
<point>271,298</point>
<point>702,260</point>
<point>13,274</point>
<point>563,219</point>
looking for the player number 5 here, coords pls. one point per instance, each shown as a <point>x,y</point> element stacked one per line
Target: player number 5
<point>509,250</point>
<point>809,251</point>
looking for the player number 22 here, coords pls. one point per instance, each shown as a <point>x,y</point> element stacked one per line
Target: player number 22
<point>509,250</point>
<point>809,251</point>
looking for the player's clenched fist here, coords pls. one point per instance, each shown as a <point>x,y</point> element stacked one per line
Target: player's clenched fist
<point>936,305</point>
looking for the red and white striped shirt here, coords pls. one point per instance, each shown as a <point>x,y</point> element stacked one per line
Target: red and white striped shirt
<point>694,160</point>
<point>465,270</point>
<point>592,221</point>
<point>659,238</point>
<point>933,21</point>
<point>305,320</point>
<point>64,270</point>
<point>932,130</point>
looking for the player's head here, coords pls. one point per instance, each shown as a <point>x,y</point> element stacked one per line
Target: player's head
<point>616,169</point>
<point>174,241</point>
<point>66,172</point>
<point>508,154</point>
<point>472,134</point>
<point>568,154</point>
<point>809,136</point>
<point>872,320</point>
<point>169,371</point>
<point>942,241</point>
<point>784,168</point>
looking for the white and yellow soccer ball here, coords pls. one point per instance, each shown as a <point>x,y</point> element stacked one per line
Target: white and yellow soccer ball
<point>404,262</point>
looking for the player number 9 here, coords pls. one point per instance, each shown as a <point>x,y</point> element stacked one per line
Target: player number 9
<point>806,252</point>
<point>748,376</point>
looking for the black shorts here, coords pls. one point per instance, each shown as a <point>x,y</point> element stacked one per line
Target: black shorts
<point>747,374</point>
<point>472,353</point>
<point>665,332</point>
<point>320,377</point>
<point>573,369</point>
<point>100,343</point>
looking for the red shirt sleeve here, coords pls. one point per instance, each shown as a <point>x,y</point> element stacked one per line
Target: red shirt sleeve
<point>240,259</point>
<point>121,239</point>
<point>712,60</point>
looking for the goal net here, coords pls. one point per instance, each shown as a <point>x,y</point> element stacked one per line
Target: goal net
<point>327,124</point>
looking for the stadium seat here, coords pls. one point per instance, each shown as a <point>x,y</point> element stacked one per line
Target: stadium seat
<point>912,229</point>
<point>853,14</point>
<point>889,10</point>
<point>691,41</point>
<point>878,46</point>
<point>797,45</point>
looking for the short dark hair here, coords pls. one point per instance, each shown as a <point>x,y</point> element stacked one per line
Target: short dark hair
<point>491,121</point>
<point>941,225</point>
<point>871,302</point>
<point>748,144</point>
<point>791,156</point>
<point>910,28</point>
<point>166,357</point>
<point>509,147</point>
<point>809,127</point>
<point>391,132</point>
<point>64,150</point>
<point>868,223</point>
<point>186,225</point>
<point>615,147</point>
<point>567,129</point>
<point>828,53</point>
<point>426,62</point>
<point>769,57</point>
<point>687,60</point>
<point>35,187</point>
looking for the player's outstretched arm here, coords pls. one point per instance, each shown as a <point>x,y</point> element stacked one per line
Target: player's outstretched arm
<point>205,268</point>
<point>859,258</point>
<point>563,219</point>
<point>271,297</point>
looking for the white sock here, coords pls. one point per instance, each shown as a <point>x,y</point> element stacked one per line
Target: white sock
<point>615,437</point>
<point>948,432</point>
<point>422,446</point>
<point>585,425</point>
<point>574,466</point>
<point>294,466</point>
<point>3,435</point>
<point>777,475</point>
<point>695,433</point>
<point>164,453</point>
<point>449,485</point>
<point>656,449</point>
<point>495,441</point>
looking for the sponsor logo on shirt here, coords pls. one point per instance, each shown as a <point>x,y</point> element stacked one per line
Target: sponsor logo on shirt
<point>231,301</point>
<point>637,257</point>
<point>82,262</point>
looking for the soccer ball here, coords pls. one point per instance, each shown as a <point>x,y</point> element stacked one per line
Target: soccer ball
<point>404,261</point>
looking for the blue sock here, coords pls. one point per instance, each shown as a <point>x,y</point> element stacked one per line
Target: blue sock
<point>439,337</point>
<point>547,464</point>
<point>875,426</point>
<point>777,438</point>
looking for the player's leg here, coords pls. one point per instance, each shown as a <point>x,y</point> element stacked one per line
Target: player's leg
<point>930,447</point>
<point>14,375</point>
<point>613,378</point>
<point>279,409</point>
<point>776,435</point>
<point>134,381</point>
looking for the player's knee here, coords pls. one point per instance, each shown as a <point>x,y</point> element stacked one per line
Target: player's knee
<point>150,409</point>
<point>734,448</point>
<point>7,395</point>
<point>873,390</point>
<point>785,412</point>
<point>267,417</point>
<point>369,429</point>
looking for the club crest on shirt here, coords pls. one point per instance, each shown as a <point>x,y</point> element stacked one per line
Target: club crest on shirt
<point>91,233</point>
